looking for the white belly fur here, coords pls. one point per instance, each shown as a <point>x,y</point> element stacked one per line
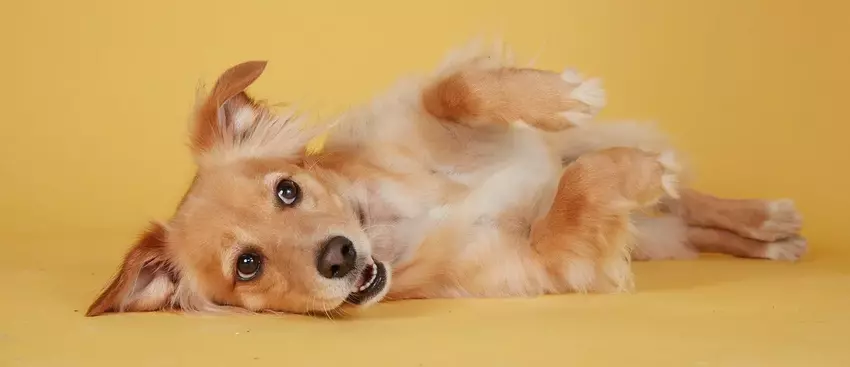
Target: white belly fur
<point>520,183</point>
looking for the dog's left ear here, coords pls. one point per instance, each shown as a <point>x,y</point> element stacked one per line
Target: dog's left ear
<point>227,111</point>
<point>146,280</point>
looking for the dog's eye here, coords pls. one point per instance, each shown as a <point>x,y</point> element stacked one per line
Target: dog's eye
<point>288,192</point>
<point>248,266</point>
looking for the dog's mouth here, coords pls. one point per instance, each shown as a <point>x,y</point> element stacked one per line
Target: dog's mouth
<point>371,283</point>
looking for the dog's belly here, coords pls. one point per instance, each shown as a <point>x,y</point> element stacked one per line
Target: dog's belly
<point>442,251</point>
<point>498,197</point>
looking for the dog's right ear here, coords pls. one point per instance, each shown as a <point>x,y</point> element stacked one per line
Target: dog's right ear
<point>146,280</point>
<point>227,111</point>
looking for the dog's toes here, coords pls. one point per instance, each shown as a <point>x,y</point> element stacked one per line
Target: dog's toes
<point>583,98</point>
<point>590,93</point>
<point>572,76</point>
<point>782,220</point>
<point>789,249</point>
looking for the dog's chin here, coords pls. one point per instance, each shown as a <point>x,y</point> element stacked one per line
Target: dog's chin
<point>371,287</point>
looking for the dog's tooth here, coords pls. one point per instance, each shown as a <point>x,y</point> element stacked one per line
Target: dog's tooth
<point>371,279</point>
<point>373,274</point>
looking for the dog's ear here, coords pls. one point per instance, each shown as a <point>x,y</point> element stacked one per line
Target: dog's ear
<point>146,280</point>
<point>227,111</point>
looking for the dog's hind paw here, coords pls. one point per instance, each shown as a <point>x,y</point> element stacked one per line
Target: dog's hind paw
<point>782,220</point>
<point>789,249</point>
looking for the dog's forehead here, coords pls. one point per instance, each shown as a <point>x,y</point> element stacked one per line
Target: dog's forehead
<point>233,182</point>
<point>227,200</point>
<point>220,197</point>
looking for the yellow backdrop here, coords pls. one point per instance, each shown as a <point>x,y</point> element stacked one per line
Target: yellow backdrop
<point>96,95</point>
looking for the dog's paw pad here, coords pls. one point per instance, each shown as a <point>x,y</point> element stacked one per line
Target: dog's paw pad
<point>789,249</point>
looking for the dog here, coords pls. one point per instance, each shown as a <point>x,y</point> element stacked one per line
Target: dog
<point>480,179</point>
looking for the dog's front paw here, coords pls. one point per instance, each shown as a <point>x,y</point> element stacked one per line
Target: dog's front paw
<point>586,97</point>
<point>637,177</point>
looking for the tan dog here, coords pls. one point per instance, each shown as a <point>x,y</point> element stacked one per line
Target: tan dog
<point>481,180</point>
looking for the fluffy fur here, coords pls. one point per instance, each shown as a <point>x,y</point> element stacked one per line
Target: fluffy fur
<point>479,180</point>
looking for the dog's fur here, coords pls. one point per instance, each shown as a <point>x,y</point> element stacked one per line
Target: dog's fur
<point>479,180</point>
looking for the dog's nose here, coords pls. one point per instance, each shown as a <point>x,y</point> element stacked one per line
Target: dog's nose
<point>337,258</point>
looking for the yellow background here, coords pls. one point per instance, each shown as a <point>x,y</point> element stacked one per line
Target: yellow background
<point>95,97</point>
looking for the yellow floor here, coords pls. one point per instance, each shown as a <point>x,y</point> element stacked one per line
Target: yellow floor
<point>713,312</point>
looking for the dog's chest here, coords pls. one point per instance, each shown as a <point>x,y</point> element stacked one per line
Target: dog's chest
<point>398,211</point>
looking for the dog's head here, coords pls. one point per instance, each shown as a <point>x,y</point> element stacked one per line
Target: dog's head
<point>260,228</point>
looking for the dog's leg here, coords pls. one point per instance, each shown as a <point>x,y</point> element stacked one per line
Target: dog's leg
<point>720,241</point>
<point>662,237</point>
<point>669,237</point>
<point>543,99</point>
<point>762,220</point>
<point>585,239</point>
